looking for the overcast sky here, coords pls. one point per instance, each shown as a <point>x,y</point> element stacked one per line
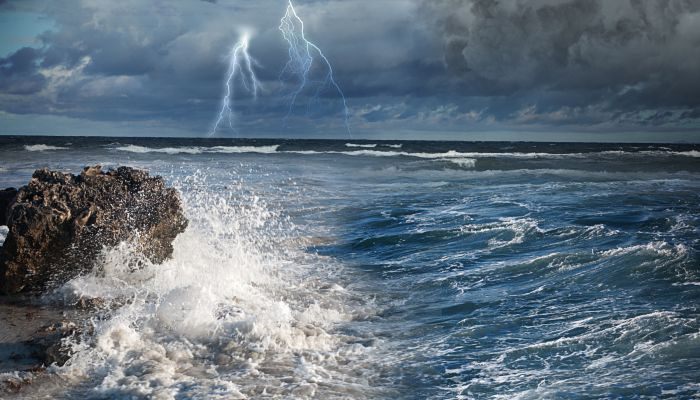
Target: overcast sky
<point>419,69</point>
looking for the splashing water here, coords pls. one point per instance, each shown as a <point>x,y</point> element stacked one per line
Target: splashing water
<point>235,313</point>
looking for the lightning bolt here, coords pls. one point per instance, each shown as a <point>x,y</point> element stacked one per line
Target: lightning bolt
<point>301,59</point>
<point>240,64</point>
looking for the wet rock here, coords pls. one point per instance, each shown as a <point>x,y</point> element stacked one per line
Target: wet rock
<point>35,333</point>
<point>59,223</point>
<point>53,348</point>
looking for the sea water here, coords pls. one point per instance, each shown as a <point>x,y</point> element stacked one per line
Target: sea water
<point>403,270</point>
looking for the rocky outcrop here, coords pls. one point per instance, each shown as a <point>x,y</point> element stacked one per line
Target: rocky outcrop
<point>59,223</point>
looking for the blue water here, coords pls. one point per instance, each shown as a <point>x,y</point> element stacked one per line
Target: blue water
<point>460,270</point>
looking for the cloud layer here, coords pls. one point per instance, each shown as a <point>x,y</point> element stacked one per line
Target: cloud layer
<point>418,65</point>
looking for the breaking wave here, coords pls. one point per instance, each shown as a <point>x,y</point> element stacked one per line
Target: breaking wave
<point>372,150</point>
<point>43,147</point>
<point>198,149</point>
<point>239,311</point>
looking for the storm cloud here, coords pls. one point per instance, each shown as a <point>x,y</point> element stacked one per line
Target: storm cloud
<point>618,57</point>
<point>405,65</point>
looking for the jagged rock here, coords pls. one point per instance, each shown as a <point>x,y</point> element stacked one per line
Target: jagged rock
<point>59,223</point>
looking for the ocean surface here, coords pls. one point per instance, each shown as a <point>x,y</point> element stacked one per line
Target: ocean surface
<point>392,270</point>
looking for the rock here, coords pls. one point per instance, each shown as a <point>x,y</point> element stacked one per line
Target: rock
<point>7,196</point>
<point>59,223</point>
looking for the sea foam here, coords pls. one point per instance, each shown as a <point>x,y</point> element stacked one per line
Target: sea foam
<point>43,147</point>
<point>227,316</point>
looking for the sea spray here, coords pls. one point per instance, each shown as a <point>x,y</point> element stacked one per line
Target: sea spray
<point>235,312</point>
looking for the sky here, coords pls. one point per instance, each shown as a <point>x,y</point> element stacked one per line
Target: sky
<point>554,70</point>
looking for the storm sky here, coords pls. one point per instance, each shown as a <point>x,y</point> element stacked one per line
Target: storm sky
<point>623,70</point>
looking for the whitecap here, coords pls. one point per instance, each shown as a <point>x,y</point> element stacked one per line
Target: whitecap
<point>463,162</point>
<point>168,150</point>
<point>198,150</point>
<point>43,147</point>
<point>244,149</point>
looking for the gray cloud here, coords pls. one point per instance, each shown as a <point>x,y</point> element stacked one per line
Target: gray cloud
<point>451,64</point>
<point>18,72</point>
<point>624,55</point>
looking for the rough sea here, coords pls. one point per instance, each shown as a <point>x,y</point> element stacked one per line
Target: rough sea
<point>392,270</point>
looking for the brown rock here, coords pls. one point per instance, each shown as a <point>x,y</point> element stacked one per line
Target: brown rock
<point>59,223</point>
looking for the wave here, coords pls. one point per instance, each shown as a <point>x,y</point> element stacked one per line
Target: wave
<point>463,162</point>
<point>43,147</point>
<point>381,153</point>
<point>374,145</point>
<point>464,159</point>
<point>235,293</point>
<point>168,150</point>
<point>690,153</point>
<point>198,150</point>
<point>244,149</point>
<point>654,248</point>
<point>511,155</point>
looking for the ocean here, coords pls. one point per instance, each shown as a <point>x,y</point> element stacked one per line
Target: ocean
<point>391,269</point>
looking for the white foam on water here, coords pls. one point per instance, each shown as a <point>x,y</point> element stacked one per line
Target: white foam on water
<point>369,150</point>
<point>198,149</point>
<point>167,150</point>
<point>655,248</point>
<point>244,149</point>
<point>690,153</point>
<point>516,229</point>
<point>240,311</point>
<point>463,162</point>
<point>43,147</point>
<point>509,155</point>
<point>635,337</point>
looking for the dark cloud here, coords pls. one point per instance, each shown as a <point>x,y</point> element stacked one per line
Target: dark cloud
<point>18,72</point>
<point>629,53</point>
<point>450,64</point>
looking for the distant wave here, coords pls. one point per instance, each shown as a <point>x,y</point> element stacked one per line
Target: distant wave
<point>463,162</point>
<point>515,155</point>
<point>198,150</point>
<point>43,147</point>
<point>464,159</point>
<point>374,145</point>
<point>691,153</point>
<point>168,150</point>
<point>381,153</point>
<point>244,149</point>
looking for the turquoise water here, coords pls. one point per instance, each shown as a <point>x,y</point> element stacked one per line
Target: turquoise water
<point>397,270</point>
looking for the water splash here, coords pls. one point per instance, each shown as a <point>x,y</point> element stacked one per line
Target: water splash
<point>238,310</point>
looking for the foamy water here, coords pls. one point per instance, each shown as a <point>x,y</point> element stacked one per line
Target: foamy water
<point>43,147</point>
<point>239,311</point>
<point>316,270</point>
